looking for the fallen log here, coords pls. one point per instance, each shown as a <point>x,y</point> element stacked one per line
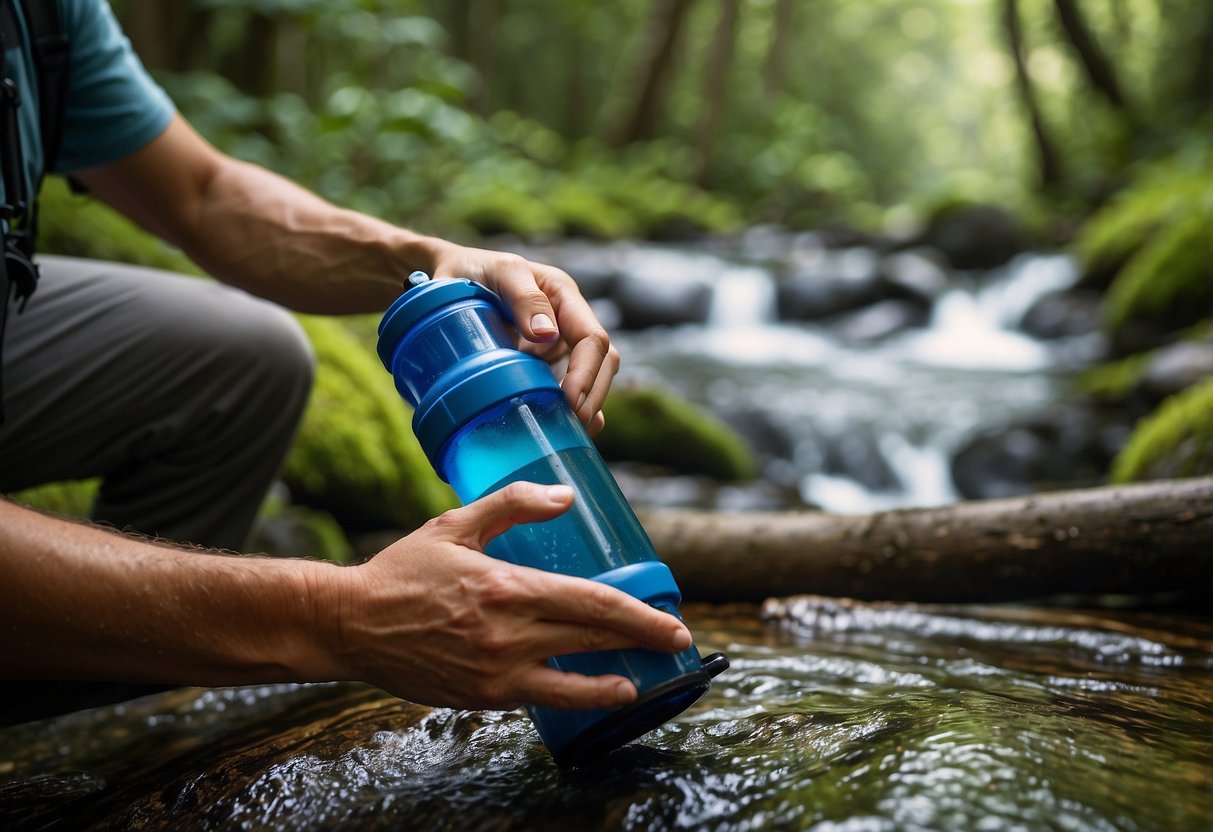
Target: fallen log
<point>1144,539</point>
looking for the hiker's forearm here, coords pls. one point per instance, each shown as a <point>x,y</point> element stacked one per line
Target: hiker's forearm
<point>277,240</point>
<point>80,602</point>
<point>254,229</point>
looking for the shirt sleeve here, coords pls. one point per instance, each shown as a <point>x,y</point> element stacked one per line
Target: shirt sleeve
<point>113,106</point>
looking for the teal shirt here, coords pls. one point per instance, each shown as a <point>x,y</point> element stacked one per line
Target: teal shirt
<point>113,106</point>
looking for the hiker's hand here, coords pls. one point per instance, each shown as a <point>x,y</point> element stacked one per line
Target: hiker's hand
<point>434,620</point>
<point>552,317</point>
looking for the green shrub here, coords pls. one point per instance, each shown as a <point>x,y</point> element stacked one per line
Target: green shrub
<point>356,456</point>
<point>1174,441</point>
<point>657,427</point>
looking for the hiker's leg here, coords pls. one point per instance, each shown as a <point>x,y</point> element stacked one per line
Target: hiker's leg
<point>182,394</point>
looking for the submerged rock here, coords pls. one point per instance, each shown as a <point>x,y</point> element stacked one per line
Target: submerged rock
<point>880,321</point>
<point>670,299</point>
<point>820,284</point>
<point>1067,449</point>
<point>1062,315</point>
<point>975,236</point>
<point>1177,367</point>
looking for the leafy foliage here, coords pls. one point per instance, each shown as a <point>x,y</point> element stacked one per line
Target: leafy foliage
<point>1157,238</point>
<point>1174,441</point>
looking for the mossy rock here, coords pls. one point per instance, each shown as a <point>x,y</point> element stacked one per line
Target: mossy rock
<point>298,531</point>
<point>654,426</point>
<point>64,499</point>
<point>81,227</point>
<point>1174,441</point>
<point>356,456</point>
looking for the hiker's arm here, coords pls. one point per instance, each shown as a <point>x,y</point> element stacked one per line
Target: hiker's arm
<point>256,230</point>
<point>430,619</point>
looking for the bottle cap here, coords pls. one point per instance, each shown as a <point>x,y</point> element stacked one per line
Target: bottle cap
<point>421,298</point>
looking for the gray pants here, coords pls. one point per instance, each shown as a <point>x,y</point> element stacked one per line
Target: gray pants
<point>183,395</point>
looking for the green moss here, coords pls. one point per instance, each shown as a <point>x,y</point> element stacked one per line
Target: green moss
<point>81,227</point>
<point>654,426</point>
<point>356,456</point>
<point>1174,441</point>
<point>1115,380</point>
<point>66,499</point>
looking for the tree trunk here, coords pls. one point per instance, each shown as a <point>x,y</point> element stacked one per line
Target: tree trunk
<point>715,86</point>
<point>1046,153</point>
<point>1099,69</point>
<point>652,73</point>
<point>484,22</point>
<point>250,66</point>
<point>774,68</point>
<point>1138,539</point>
<point>166,36</point>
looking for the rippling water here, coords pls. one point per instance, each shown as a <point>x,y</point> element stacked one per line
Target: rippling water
<point>835,715</point>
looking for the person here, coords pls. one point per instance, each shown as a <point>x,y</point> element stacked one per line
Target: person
<point>183,396</point>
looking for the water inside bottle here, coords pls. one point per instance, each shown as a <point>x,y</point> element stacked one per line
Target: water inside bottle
<point>593,536</point>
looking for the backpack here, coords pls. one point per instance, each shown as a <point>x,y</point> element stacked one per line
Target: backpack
<point>19,210</point>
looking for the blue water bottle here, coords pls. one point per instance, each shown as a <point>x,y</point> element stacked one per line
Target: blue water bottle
<point>488,415</point>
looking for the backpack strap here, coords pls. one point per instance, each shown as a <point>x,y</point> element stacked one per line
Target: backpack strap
<point>49,45</point>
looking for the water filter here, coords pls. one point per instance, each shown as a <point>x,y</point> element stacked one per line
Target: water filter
<point>487,415</point>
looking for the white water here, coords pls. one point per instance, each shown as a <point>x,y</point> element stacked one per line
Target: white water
<point>896,411</point>
<point>853,428</point>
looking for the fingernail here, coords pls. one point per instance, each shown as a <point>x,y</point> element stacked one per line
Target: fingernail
<point>681,640</point>
<point>624,693</point>
<point>580,401</point>
<point>559,494</point>
<point>542,323</point>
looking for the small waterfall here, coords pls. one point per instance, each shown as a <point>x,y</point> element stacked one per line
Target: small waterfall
<point>744,298</point>
<point>972,327</point>
<point>853,425</point>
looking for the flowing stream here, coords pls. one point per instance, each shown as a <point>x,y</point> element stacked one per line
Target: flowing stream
<point>835,715</point>
<point>859,426</point>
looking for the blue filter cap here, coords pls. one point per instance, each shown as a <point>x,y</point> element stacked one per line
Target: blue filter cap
<point>422,298</point>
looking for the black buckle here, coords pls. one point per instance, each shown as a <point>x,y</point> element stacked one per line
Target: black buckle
<point>10,93</point>
<point>22,273</point>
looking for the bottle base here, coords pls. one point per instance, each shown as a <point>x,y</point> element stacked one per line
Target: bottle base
<point>656,706</point>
